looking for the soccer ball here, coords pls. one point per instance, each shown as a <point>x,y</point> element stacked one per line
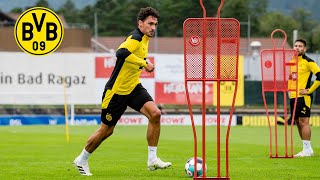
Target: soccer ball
<point>189,167</point>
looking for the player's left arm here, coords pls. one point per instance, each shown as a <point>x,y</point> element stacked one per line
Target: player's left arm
<point>316,71</point>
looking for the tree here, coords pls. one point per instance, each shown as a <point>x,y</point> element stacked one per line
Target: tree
<point>42,3</point>
<point>174,13</point>
<point>257,10</point>
<point>111,17</point>
<point>277,20</point>
<point>86,16</point>
<point>69,11</point>
<point>304,18</point>
<point>241,9</point>
<point>238,9</point>
<point>129,17</point>
<point>306,26</point>
<point>315,40</point>
<point>16,10</point>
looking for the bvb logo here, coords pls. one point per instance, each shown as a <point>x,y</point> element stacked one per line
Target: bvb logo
<point>38,31</point>
<point>108,117</point>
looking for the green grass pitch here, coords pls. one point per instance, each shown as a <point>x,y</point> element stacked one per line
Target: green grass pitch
<point>41,152</point>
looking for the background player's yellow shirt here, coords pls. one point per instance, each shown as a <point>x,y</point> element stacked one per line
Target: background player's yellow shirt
<point>131,58</point>
<point>306,67</point>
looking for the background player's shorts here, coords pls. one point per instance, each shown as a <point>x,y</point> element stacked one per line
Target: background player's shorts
<point>302,109</point>
<point>118,104</point>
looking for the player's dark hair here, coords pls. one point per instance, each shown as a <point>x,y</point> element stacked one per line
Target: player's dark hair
<point>302,41</point>
<point>148,11</point>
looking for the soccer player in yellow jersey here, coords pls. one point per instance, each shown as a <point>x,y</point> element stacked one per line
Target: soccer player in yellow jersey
<point>124,89</point>
<point>306,67</point>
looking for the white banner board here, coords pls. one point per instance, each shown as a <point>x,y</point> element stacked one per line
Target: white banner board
<point>26,75</point>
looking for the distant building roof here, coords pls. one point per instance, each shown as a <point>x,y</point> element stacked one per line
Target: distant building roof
<point>174,45</point>
<point>6,20</point>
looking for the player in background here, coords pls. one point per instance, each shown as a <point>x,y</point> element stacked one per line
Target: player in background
<point>124,89</point>
<point>306,68</point>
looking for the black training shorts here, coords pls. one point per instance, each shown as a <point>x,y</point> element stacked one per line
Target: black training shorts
<point>302,109</point>
<point>118,104</point>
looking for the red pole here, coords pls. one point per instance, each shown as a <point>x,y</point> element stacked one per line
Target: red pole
<point>203,90</point>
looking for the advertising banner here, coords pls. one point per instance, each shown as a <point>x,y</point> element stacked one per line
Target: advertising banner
<point>174,93</point>
<point>166,119</point>
<point>23,77</point>
<point>26,79</point>
<point>175,119</point>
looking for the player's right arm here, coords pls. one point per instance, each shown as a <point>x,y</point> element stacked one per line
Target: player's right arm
<point>126,49</point>
<point>149,67</point>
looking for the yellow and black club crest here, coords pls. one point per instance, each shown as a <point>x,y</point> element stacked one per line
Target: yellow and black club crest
<point>108,117</point>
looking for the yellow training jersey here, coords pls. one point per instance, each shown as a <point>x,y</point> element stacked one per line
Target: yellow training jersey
<point>306,67</point>
<point>131,58</point>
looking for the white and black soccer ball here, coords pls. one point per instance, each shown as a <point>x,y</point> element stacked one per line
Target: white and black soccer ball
<point>189,167</point>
